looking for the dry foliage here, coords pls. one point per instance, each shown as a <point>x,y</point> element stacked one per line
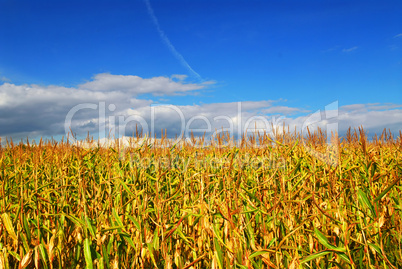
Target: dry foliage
<point>203,205</point>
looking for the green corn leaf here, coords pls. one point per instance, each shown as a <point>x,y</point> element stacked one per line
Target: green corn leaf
<point>117,218</point>
<point>90,227</point>
<point>182,235</point>
<point>344,257</point>
<point>219,252</point>
<point>26,228</point>
<point>365,201</point>
<point>87,253</point>
<point>271,242</point>
<point>377,249</point>
<point>155,241</point>
<point>105,256</point>
<point>137,225</point>
<point>110,244</point>
<point>218,237</point>
<point>14,254</point>
<point>324,241</point>
<point>258,253</point>
<point>315,256</point>
<point>24,242</point>
<point>382,194</point>
<point>125,186</point>
<point>43,255</point>
<point>128,239</point>
<point>76,221</point>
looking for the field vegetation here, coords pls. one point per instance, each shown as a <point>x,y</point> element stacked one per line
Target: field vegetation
<point>264,202</point>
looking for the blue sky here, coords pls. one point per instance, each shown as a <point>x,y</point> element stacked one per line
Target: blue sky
<point>294,56</point>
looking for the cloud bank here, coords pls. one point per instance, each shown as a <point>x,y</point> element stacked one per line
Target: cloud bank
<point>114,105</point>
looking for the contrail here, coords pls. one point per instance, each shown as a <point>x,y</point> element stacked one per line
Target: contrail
<point>166,40</point>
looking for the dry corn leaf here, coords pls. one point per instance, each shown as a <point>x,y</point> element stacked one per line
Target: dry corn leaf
<point>27,259</point>
<point>9,226</point>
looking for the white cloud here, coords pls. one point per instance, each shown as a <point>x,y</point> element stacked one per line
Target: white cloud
<point>368,107</point>
<point>398,35</point>
<point>41,110</point>
<point>354,107</point>
<point>32,110</point>
<point>179,77</point>
<point>373,121</point>
<point>282,110</point>
<point>350,49</point>
<point>373,117</point>
<point>136,85</point>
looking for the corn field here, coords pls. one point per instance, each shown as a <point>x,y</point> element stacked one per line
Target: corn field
<point>264,202</point>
